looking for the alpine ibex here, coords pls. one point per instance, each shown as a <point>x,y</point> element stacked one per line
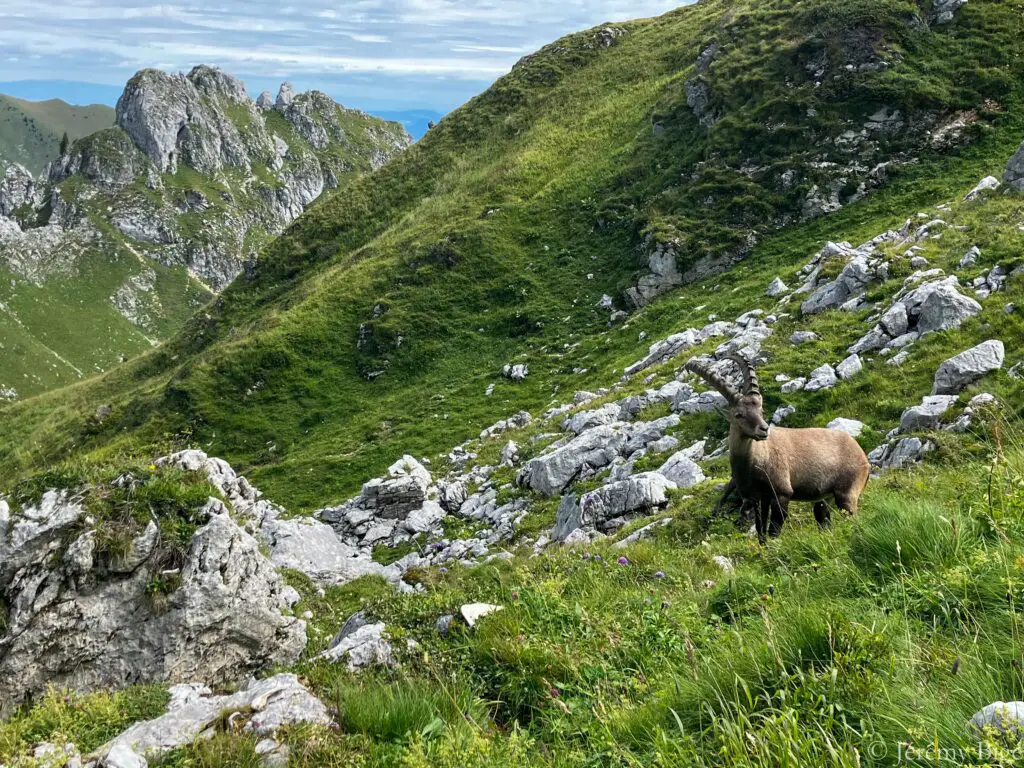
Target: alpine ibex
<point>772,466</point>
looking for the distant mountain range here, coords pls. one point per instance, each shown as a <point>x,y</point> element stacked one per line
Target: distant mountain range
<point>96,95</point>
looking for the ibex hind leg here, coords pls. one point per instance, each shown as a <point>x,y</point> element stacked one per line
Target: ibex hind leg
<point>822,514</point>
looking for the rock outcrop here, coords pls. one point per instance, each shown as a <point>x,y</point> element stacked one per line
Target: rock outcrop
<point>81,620</point>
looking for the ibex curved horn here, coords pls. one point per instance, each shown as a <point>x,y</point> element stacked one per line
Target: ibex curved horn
<point>751,386</point>
<point>718,382</point>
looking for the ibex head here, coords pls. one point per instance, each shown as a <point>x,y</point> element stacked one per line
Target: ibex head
<point>745,409</point>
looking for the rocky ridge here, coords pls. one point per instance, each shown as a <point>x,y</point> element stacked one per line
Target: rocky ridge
<point>151,216</point>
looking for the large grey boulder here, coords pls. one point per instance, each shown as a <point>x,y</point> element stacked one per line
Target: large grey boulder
<point>926,415</point>
<point>851,427</point>
<point>1013,176</point>
<point>988,184</point>
<point>944,308</point>
<point>260,709</point>
<point>313,548</point>
<point>1005,717</point>
<point>854,277</point>
<point>849,367</point>
<point>969,366</point>
<point>75,623</point>
<point>578,423</point>
<point>664,275</point>
<point>568,518</point>
<point>608,506</point>
<point>681,470</point>
<point>776,288</point>
<point>594,449</point>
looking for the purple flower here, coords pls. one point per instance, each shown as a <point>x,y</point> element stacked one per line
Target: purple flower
<point>554,693</point>
<point>444,570</point>
<point>623,560</point>
<point>586,555</point>
<point>597,558</point>
<point>659,574</point>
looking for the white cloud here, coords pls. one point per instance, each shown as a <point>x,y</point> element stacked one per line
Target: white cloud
<point>401,43</point>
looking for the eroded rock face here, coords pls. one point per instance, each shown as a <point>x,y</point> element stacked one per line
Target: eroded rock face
<point>17,188</point>
<point>180,118</point>
<point>81,621</point>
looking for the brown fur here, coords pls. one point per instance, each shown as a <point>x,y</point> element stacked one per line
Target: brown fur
<point>772,466</point>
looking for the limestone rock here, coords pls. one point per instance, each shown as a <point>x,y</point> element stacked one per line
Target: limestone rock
<point>926,415</point>
<point>17,188</point>
<point>261,708</point>
<point>782,413</point>
<point>943,308</point>
<point>989,183</point>
<point>776,288</point>
<point>902,453</point>
<point>851,427</point>
<point>73,626</point>
<point>594,449</point>
<point>313,548</point>
<point>823,377</point>
<point>473,612</point>
<point>681,470</point>
<point>1006,717</point>
<point>969,366</point>
<point>568,518</point>
<point>365,646</point>
<point>637,494</point>
<point>850,367</point>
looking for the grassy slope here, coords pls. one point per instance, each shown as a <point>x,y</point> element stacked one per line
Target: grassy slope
<point>480,240</point>
<point>839,648</point>
<point>30,131</point>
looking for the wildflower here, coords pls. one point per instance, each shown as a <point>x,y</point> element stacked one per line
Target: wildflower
<point>623,560</point>
<point>597,558</point>
<point>659,574</point>
<point>554,692</point>
<point>586,555</point>
<point>515,595</point>
<point>444,570</point>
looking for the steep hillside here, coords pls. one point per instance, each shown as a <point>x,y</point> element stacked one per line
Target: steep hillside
<point>31,131</point>
<point>378,323</point>
<point>465,380</point>
<point>134,227</point>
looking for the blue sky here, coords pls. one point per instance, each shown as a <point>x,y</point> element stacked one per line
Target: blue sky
<point>373,54</point>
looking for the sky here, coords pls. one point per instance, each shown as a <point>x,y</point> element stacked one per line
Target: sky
<point>378,55</point>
